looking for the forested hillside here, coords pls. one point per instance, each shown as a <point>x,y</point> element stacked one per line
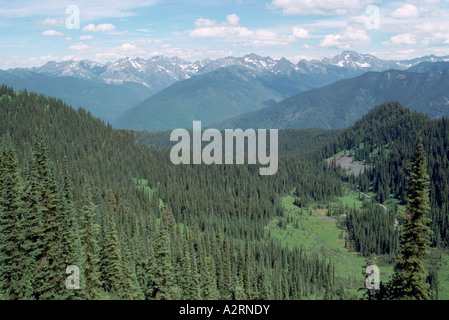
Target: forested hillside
<point>72,192</point>
<point>290,141</point>
<point>77,192</point>
<point>105,101</point>
<point>210,98</point>
<point>385,139</point>
<point>342,103</point>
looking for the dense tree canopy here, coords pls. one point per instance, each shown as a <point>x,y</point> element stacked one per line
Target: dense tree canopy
<point>76,192</point>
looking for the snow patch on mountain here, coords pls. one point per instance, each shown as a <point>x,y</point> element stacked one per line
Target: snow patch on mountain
<point>161,71</point>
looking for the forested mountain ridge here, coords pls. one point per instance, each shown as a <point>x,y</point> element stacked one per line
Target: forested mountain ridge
<point>428,66</point>
<point>106,101</point>
<point>384,139</point>
<point>210,98</point>
<point>219,95</point>
<point>340,104</point>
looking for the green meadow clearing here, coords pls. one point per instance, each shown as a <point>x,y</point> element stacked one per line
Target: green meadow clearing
<point>318,233</point>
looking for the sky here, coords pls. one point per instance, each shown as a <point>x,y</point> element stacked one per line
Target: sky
<point>34,32</point>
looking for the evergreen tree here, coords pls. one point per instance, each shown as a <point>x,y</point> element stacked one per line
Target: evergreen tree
<point>187,281</point>
<point>209,280</point>
<point>11,211</point>
<point>237,288</point>
<point>70,239</point>
<point>89,232</point>
<point>163,272</point>
<point>112,267</point>
<point>31,230</point>
<point>50,276</point>
<point>131,288</point>
<point>409,279</point>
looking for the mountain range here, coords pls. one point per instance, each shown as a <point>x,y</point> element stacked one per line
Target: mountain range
<point>159,72</point>
<point>221,94</point>
<point>164,93</point>
<point>216,96</point>
<point>340,104</point>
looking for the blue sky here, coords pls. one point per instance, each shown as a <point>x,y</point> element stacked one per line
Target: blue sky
<point>35,32</point>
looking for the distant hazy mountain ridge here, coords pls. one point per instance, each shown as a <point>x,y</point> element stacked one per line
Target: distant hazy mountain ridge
<point>160,93</point>
<point>159,71</point>
<point>340,104</point>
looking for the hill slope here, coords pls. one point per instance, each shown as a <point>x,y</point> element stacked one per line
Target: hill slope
<point>211,97</point>
<point>101,163</point>
<point>106,101</point>
<point>342,103</point>
<point>385,139</point>
<point>428,66</point>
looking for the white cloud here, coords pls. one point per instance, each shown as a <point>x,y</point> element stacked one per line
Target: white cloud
<point>349,38</point>
<point>400,39</point>
<point>426,1</point>
<point>146,48</point>
<point>439,51</point>
<point>52,33</point>
<point>333,23</point>
<point>125,50</point>
<point>87,37</point>
<point>406,11</point>
<point>190,54</point>
<point>78,46</point>
<point>105,27</point>
<point>89,10</point>
<point>324,7</point>
<point>436,38</point>
<point>67,58</point>
<point>233,19</point>
<point>231,30</point>
<point>431,27</point>
<point>296,59</point>
<point>147,41</point>
<point>126,47</point>
<point>397,55</point>
<point>52,22</point>
<point>24,62</point>
<point>301,33</point>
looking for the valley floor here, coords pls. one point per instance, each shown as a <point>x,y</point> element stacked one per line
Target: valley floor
<point>319,233</point>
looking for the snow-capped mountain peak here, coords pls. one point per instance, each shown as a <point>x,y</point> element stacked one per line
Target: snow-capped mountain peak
<point>80,69</point>
<point>161,71</point>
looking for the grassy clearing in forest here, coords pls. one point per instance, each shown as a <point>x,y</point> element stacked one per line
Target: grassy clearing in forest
<point>143,183</point>
<point>318,233</point>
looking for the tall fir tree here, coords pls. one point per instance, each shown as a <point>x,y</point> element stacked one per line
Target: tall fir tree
<point>11,211</point>
<point>71,254</point>
<point>112,267</point>
<point>186,277</point>
<point>131,288</point>
<point>409,279</point>
<point>50,273</point>
<point>31,231</point>
<point>89,231</point>
<point>165,287</point>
